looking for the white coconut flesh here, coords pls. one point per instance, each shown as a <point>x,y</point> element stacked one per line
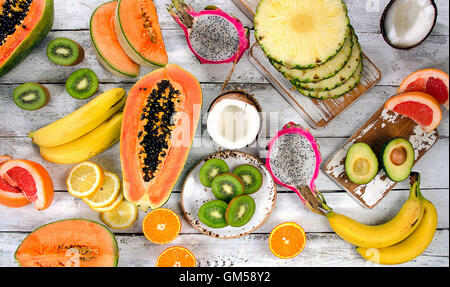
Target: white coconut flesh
<point>233,123</point>
<point>214,38</point>
<point>408,22</point>
<point>292,160</point>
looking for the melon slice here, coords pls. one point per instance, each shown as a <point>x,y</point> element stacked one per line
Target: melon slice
<point>431,81</point>
<point>106,45</point>
<point>422,108</point>
<point>137,28</point>
<point>69,243</point>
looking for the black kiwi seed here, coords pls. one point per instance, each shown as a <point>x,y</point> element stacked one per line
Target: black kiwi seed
<point>65,52</point>
<point>251,176</point>
<point>82,84</point>
<point>211,169</point>
<point>227,186</point>
<point>31,96</point>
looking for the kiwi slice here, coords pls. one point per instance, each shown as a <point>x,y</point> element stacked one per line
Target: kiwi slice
<point>251,176</point>
<point>65,52</point>
<point>240,210</point>
<point>211,169</point>
<point>212,214</point>
<point>31,96</point>
<point>227,186</point>
<point>82,84</point>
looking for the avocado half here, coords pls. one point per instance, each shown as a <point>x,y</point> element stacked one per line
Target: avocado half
<point>361,164</point>
<point>397,158</point>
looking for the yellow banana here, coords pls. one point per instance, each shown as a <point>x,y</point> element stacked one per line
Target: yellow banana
<point>87,146</point>
<point>409,248</point>
<point>81,121</point>
<point>390,233</point>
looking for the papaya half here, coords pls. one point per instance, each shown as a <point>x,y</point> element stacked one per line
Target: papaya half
<point>159,123</point>
<point>23,25</point>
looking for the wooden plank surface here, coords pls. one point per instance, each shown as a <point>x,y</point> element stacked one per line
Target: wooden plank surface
<point>323,248</point>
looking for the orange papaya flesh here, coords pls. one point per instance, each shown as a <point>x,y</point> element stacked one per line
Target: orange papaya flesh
<point>23,25</point>
<point>69,243</point>
<point>160,121</point>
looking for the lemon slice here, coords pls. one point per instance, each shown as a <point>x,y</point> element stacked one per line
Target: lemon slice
<point>110,207</point>
<point>123,216</point>
<point>85,179</point>
<point>107,193</point>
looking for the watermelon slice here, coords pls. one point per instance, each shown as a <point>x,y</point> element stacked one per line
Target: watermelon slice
<point>422,108</point>
<point>431,81</point>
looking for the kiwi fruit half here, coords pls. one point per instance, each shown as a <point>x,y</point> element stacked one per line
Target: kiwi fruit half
<point>240,210</point>
<point>31,96</point>
<point>227,186</point>
<point>251,176</point>
<point>212,214</point>
<point>82,84</point>
<point>65,52</point>
<point>210,169</point>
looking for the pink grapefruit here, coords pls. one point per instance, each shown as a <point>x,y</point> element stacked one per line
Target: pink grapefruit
<point>422,108</point>
<point>24,179</point>
<point>431,81</point>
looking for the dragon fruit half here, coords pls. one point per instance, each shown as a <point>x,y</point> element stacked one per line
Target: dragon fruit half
<point>213,36</point>
<point>294,162</point>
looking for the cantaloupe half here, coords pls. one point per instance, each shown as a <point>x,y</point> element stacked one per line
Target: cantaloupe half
<point>143,185</point>
<point>139,33</point>
<point>69,243</point>
<point>106,46</point>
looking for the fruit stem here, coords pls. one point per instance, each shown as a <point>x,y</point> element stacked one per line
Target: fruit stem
<point>31,134</point>
<point>414,179</point>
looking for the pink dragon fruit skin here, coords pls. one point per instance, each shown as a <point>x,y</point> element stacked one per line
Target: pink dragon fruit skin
<point>292,128</point>
<point>178,9</point>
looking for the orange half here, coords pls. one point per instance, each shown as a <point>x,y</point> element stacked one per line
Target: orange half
<point>161,226</point>
<point>422,108</point>
<point>287,240</point>
<point>176,257</point>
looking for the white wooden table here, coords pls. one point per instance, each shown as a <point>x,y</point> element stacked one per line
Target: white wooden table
<point>323,247</point>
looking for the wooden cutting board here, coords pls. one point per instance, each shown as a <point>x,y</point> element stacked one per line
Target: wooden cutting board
<point>381,127</point>
<point>317,113</point>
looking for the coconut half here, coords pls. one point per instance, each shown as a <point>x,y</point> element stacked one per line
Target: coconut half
<point>234,120</point>
<point>405,24</point>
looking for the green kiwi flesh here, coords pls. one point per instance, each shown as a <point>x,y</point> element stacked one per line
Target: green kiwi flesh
<point>240,210</point>
<point>210,169</point>
<point>251,176</point>
<point>227,186</point>
<point>82,84</point>
<point>212,214</point>
<point>30,96</point>
<point>65,52</point>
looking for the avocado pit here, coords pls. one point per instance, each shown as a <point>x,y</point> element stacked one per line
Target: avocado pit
<point>398,156</point>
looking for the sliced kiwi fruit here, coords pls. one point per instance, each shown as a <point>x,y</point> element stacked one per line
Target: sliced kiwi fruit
<point>227,186</point>
<point>240,210</point>
<point>82,84</point>
<point>65,52</point>
<point>31,96</point>
<point>212,214</point>
<point>212,168</point>
<point>251,177</point>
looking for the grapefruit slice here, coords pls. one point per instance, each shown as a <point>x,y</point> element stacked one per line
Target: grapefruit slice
<point>430,81</point>
<point>422,108</point>
<point>28,178</point>
<point>4,158</point>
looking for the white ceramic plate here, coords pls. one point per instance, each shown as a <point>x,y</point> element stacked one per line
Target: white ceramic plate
<point>194,195</point>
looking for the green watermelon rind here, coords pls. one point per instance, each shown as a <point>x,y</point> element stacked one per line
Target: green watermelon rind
<point>36,36</point>
<point>113,237</point>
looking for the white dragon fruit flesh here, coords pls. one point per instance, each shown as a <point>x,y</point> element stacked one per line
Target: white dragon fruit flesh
<point>212,35</point>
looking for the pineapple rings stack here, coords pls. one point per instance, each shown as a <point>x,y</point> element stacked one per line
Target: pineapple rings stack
<point>312,43</point>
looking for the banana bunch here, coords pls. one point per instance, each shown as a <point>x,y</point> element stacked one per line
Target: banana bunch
<point>400,240</point>
<point>85,133</point>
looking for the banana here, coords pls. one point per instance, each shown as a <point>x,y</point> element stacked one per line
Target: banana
<point>81,121</point>
<point>87,146</point>
<point>411,247</point>
<point>390,233</point>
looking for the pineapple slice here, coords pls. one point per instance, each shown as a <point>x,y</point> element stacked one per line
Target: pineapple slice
<point>301,34</point>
